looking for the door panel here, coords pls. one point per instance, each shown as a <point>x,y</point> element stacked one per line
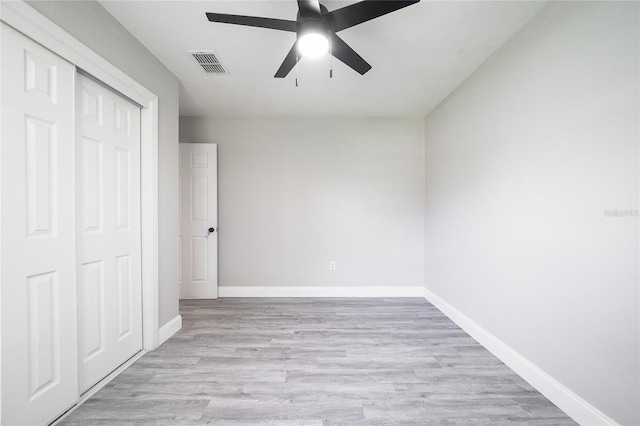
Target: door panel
<point>198,258</point>
<point>91,310</point>
<point>91,184</point>
<point>44,333</point>
<point>124,291</point>
<point>123,189</point>
<point>109,287</point>
<point>38,277</point>
<point>199,198</point>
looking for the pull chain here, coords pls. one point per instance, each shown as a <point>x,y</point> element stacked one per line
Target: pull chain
<point>330,60</point>
<point>297,60</point>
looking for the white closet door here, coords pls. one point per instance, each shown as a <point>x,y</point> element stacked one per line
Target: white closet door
<point>39,335</point>
<point>108,220</point>
<point>198,239</point>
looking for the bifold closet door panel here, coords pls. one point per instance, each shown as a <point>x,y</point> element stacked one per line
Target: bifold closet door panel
<point>38,274</point>
<point>108,230</point>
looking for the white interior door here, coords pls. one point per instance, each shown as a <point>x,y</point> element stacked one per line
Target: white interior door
<point>198,240</point>
<point>108,230</point>
<point>38,278</point>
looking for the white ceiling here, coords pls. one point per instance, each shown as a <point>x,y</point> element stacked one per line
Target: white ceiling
<point>419,55</point>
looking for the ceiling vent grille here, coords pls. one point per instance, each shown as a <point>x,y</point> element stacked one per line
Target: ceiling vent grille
<point>209,62</point>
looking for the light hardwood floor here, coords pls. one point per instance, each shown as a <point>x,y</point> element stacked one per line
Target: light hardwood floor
<point>317,362</point>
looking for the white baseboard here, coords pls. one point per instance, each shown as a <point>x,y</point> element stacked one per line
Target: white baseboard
<point>169,329</point>
<point>280,291</point>
<point>577,408</point>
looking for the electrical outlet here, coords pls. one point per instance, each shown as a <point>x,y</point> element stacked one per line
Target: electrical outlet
<point>332,265</point>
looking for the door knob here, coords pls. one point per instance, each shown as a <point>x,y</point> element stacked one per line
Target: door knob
<point>211,230</point>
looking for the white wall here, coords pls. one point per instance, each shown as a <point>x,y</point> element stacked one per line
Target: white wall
<point>90,23</point>
<point>522,162</point>
<point>295,193</point>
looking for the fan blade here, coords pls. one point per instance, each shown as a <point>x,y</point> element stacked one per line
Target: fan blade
<point>364,11</point>
<point>289,62</point>
<point>252,21</point>
<point>309,8</point>
<point>346,54</point>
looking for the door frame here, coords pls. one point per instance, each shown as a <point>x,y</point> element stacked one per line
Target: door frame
<point>36,26</point>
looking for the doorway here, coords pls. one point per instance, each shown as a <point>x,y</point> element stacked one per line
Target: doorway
<point>198,215</point>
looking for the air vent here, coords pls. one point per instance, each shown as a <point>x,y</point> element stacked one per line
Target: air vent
<point>209,62</point>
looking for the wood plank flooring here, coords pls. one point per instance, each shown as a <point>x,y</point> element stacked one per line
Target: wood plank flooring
<point>317,362</point>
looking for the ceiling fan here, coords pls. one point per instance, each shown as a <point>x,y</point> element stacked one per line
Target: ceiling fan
<point>316,29</point>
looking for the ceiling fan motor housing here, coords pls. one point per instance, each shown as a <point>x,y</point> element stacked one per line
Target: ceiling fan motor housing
<point>313,22</point>
<point>315,26</point>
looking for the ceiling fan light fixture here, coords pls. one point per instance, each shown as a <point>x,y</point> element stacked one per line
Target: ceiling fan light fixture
<point>313,45</point>
<point>316,29</point>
